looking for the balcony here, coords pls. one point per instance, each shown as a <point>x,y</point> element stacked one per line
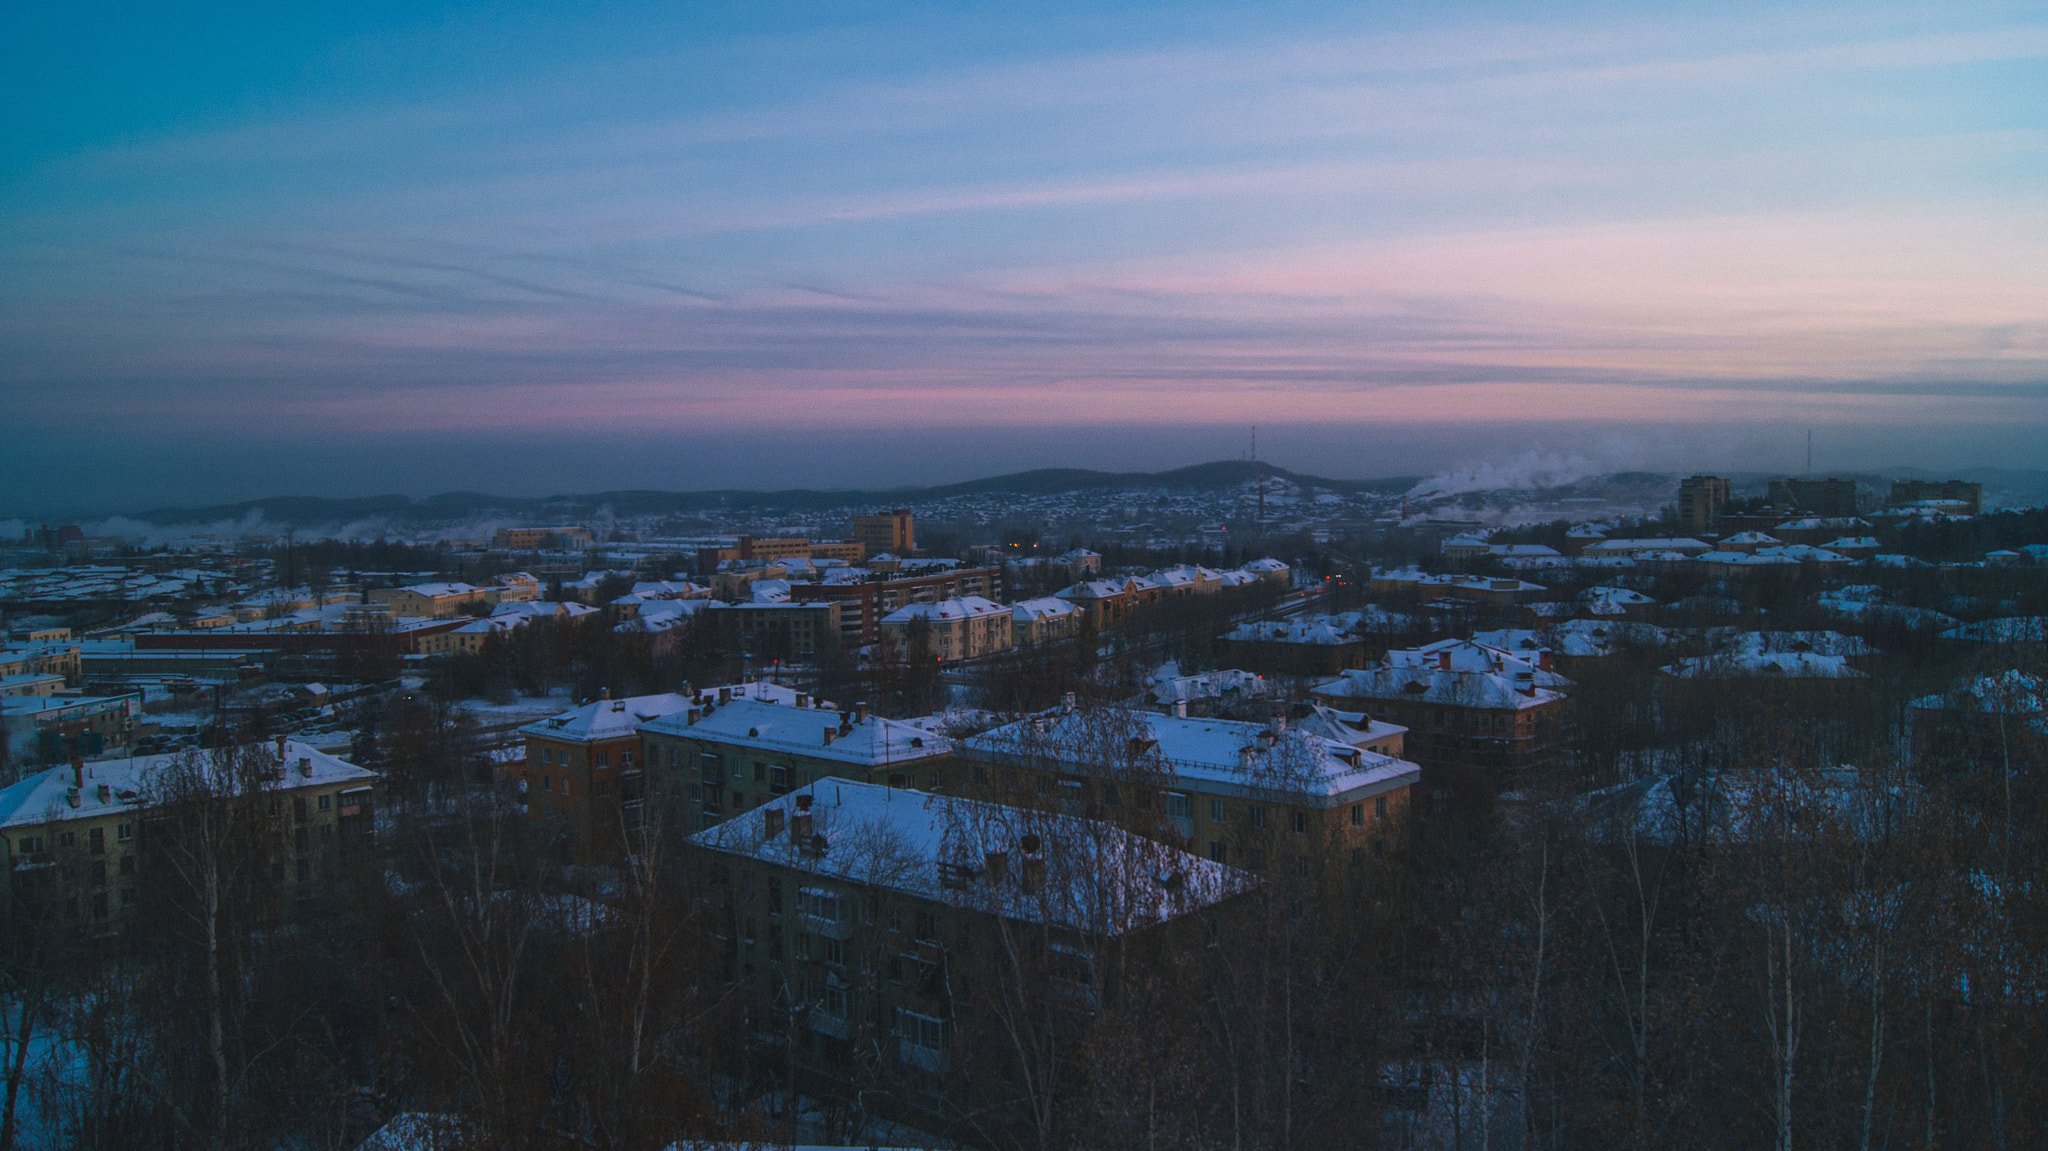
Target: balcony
<point>923,1058</point>
<point>824,928</point>
<point>825,1023</point>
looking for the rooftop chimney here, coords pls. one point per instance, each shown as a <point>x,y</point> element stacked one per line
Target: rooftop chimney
<point>860,713</point>
<point>604,693</point>
<point>1180,709</point>
<point>773,818</point>
<point>803,700</point>
<point>306,767</point>
<point>280,747</point>
<point>1443,660</point>
<point>1067,703</point>
<point>829,733</point>
<point>77,771</point>
<point>724,696</point>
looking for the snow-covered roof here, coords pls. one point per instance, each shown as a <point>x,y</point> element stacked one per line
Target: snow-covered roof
<point>438,590</point>
<point>1477,689</point>
<point>607,718</point>
<point>964,607</point>
<point>872,742</point>
<point>2012,629</point>
<point>1314,631</point>
<point>1225,755</point>
<point>1206,685</point>
<point>129,783</point>
<point>1041,609</point>
<point>1268,564</point>
<point>1097,878</point>
<point>1777,664</point>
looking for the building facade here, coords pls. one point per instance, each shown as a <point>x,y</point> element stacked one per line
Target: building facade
<point>728,758</point>
<point>890,532</point>
<point>78,837</point>
<point>852,913</point>
<point>1700,500</point>
<point>1247,794</point>
<point>969,627</point>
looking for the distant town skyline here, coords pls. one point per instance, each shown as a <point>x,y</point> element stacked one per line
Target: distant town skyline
<point>407,247</point>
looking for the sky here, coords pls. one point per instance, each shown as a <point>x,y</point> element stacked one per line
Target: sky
<point>266,249</point>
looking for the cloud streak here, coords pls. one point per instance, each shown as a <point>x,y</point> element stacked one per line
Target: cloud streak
<point>1821,216</point>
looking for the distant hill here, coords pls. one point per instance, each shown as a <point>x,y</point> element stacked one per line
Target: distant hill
<point>307,511</point>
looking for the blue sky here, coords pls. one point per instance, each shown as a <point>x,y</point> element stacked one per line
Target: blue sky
<point>236,234</point>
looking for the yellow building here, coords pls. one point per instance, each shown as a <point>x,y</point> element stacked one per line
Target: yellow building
<point>77,836</point>
<point>965,628</point>
<point>429,600</point>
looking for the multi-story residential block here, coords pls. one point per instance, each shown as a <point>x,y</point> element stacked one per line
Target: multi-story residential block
<point>46,728</point>
<point>768,551</point>
<point>728,758</point>
<point>1700,500</point>
<point>1466,705</point>
<point>1043,620</point>
<point>1814,497</point>
<point>853,912</point>
<point>1307,646</point>
<point>584,772</point>
<point>890,532</point>
<point>1107,601</point>
<point>863,603</point>
<point>429,600</point>
<point>1969,497</point>
<point>60,655</point>
<point>966,628</point>
<point>78,836</point>
<point>1271,570</point>
<point>777,631</point>
<point>1252,794</point>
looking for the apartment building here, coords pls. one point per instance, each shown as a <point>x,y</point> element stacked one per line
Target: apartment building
<point>1967,496</point>
<point>583,773</point>
<point>1106,602</point>
<point>890,532</point>
<point>862,604</point>
<point>1700,500</point>
<point>1046,619</point>
<point>1250,794</point>
<point>429,600</point>
<point>1466,705</point>
<point>47,728</point>
<point>747,548</point>
<point>966,628</point>
<point>78,836</point>
<point>1309,646</point>
<point>1832,497</point>
<point>853,911</point>
<point>728,758</point>
<point>777,631</point>
<point>60,655</point>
